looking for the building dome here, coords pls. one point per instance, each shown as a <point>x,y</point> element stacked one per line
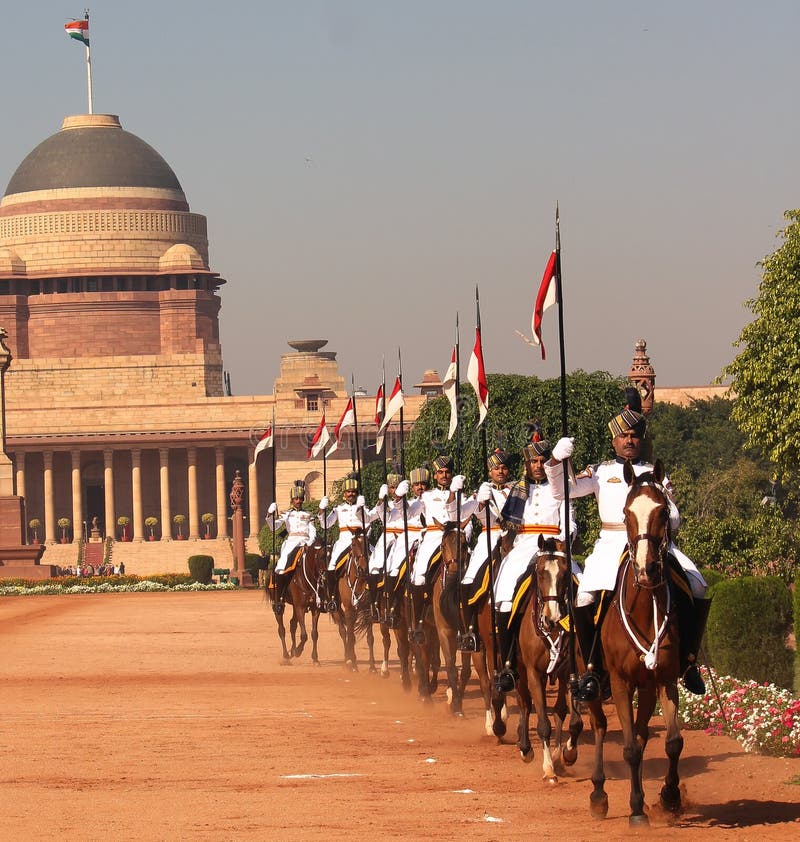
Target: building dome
<point>92,150</point>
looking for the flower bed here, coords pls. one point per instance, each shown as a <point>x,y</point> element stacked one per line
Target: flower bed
<point>762,717</point>
<point>107,584</point>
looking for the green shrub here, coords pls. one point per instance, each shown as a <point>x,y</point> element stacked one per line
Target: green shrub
<point>712,576</point>
<point>252,563</point>
<point>747,627</point>
<point>797,613</point>
<point>201,568</point>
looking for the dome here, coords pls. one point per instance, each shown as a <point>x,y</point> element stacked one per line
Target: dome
<point>92,150</point>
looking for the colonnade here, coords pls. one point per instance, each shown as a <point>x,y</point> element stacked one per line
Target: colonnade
<point>138,531</point>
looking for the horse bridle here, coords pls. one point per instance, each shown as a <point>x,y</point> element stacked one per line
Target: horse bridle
<point>542,600</point>
<point>660,544</point>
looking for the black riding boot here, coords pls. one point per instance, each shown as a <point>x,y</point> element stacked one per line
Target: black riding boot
<point>594,682</point>
<point>389,585</point>
<point>469,641</point>
<point>691,627</point>
<point>419,601</point>
<point>506,680</point>
<point>372,583</point>
<point>332,585</point>
<point>281,586</point>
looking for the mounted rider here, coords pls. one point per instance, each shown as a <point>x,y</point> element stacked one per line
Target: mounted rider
<point>532,509</point>
<point>389,511</point>
<point>606,482</point>
<point>300,534</point>
<point>351,517</point>
<point>492,494</point>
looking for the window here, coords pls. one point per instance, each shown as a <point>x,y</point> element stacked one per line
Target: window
<point>312,403</point>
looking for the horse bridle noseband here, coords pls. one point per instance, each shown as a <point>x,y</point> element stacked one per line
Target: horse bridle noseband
<point>661,544</point>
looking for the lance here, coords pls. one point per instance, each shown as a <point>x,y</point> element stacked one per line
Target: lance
<point>385,499</point>
<point>408,595</point>
<point>565,464</point>
<point>458,465</point>
<point>274,484</point>
<point>358,471</point>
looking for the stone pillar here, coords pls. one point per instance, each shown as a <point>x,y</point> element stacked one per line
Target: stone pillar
<point>136,485</point>
<point>108,493</point>
<point>643,376</point>
<point>222,509</point>
<point>49,502</point>
<point>19,457</point>
<point>77,497</point>
<point>252,507</point>
<point>163,475</point>
<point>237,495</point>
<point>194,516</point>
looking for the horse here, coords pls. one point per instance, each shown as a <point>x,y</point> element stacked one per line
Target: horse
<point>303,594</point>
<point>640,642</point>
<point>446,612</point>
<point>541,654</point>
<point>354,612</point>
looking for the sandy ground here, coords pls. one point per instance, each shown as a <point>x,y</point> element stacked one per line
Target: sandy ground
<point>169,717</point>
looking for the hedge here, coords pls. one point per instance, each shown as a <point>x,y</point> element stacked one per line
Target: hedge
<point>201,568</point>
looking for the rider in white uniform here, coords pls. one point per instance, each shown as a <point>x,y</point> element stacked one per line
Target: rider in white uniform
<point>606,482</point>
<point>300,533</point>
<point>389,511</point>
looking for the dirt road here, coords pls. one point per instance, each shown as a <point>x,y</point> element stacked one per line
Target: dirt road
<point>170,717</point>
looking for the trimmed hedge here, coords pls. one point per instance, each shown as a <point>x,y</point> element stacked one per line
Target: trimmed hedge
<point>747,627</point>
<point>201,568</point>
<point>712,577</point>
<point>253,563</point>
<point>167,579</point>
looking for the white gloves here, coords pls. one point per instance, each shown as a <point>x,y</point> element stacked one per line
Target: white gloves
<point>402,489</point>
<point>323,504</point>
<point>383,492</point>
<point>457,483</point>
<point>273,508</point>
<point>563,449</point>
<point>484,492</point>
<point>360,502</point>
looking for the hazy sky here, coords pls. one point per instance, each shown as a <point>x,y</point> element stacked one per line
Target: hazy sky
<point>363,165</point>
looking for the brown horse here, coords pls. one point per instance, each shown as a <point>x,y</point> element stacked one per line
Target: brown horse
<point>446,612</point>
<point>640,642</point>
<point>542,654</point>
<point>302,594</point>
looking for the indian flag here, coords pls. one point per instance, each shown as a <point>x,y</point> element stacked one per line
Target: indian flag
<point>79,30</point>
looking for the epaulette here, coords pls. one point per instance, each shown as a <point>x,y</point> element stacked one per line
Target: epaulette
<point>589,470</point>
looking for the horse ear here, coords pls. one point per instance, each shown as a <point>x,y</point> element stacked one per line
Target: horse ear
<point>658,471</point>
<point>541,541</point>
<point>441,525</point>
<point>627,472</point>
<point>465,522</point>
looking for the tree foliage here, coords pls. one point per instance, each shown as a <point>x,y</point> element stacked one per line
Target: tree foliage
<point>766,374</point>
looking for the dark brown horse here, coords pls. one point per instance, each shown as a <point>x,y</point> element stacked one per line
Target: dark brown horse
<point>640,642</point>
<point>302,594</point>
<point>542,654</point>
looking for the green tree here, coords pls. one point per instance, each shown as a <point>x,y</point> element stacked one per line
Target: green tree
<point>766,372</point>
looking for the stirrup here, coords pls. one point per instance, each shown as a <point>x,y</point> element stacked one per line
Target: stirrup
<point>693,681</point>
<point>389,620</point>
<point>417,636</point>
<point>505,681</point>
<point>468,642</point>
<point>586,688</point>
<point>277,607</point>
<point>331,606</point>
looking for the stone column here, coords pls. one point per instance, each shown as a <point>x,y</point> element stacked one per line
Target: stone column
<point>222,509</point>
<point>136,483</point>
<point>163,475</point>
<point>77,497</point>
<point>237,519</point>
<point>49,502</point>
<point>109,514</point>
<point>194,516</point>
<point>252,500</point>
<point>20,461</point>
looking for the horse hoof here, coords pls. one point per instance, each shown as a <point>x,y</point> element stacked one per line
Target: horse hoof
<point>372,669</point>
<point>459,714</point>
<point>598,806</point>
<point>449,695</point>
<point>526,756</point>
<point>550,779</point>
<point>426,700</point>
<point>499,728</point>
<point>639,820</point>
<point>569,755</point>
<point>316,664</point>
<point>670,799</point>
<point>384,672</point>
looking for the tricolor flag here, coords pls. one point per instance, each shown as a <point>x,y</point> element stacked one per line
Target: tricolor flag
<point>320,438</point>
<point>450,387</point>
<point>267,440</point>
<point>476,374</point>
<point>347,420</point>
<point>545,298</point>
<point>396,403</point>
<point>79,30</point>
<point>380,407</point>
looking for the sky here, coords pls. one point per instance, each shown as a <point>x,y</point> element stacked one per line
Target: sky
<point>365,165</point>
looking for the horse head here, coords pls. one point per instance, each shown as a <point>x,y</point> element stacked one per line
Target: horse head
<point>551,583</point>
<point>453,537</point>
<point>647,523</point>
<point>359,550</point>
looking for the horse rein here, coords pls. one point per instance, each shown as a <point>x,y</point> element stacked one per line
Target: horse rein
<point>554,644</point>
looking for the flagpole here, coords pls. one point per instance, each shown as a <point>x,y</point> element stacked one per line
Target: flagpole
<point>409,597</point>
<point>89,68</point>
<point>458,397</point>
<point>565,464</point>
<point>274,482</point>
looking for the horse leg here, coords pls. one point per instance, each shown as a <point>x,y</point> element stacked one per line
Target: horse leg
<point>598,800</point>
<point>543,727</point>
<point>422,664</point>
<point>297,650</point>
<point>632,743</point>
<point>282,636</point>
<point>448,645</point>
<point>434,658</point>
<point>387,641</point>
<point>350,639</point>
<point>371,643</point>
<point>314,635</point>
<point>479,661</point>
<point>673,745</point>
<point>523,728</point>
